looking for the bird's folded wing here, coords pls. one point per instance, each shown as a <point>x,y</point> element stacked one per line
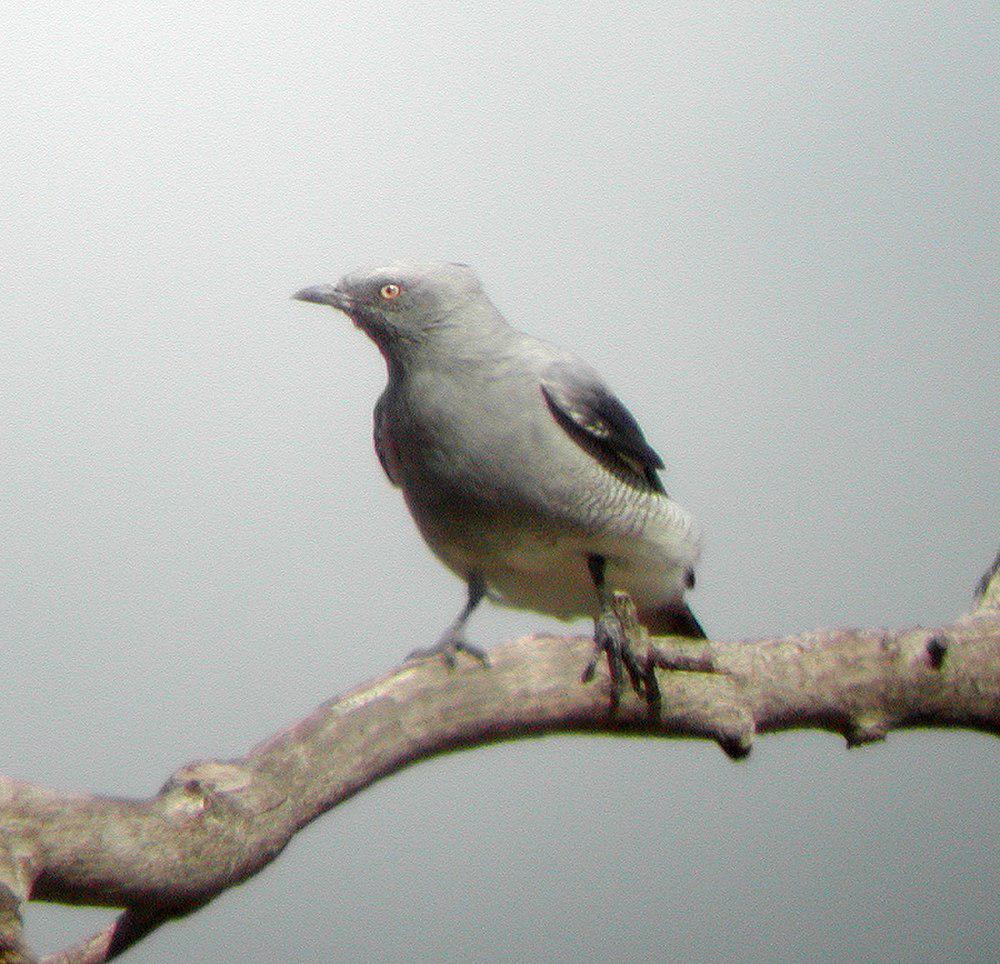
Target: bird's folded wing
<point>587,409</point>
<point>384,447</point>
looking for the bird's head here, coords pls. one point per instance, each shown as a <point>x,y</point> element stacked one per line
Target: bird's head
<point>400,304</point>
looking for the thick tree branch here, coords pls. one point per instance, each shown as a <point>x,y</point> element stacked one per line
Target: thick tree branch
<point>216,823</point>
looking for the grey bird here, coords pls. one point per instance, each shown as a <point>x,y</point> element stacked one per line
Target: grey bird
<point>524,473</point>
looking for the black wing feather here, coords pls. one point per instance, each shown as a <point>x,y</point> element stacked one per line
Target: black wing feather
<point>587,409</point>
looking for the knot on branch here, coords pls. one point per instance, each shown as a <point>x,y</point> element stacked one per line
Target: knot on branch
<point>226,786</point>
<point>936,648</point>
<point>866,729</point>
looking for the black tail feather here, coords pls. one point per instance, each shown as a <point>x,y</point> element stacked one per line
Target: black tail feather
<point>674,620</point>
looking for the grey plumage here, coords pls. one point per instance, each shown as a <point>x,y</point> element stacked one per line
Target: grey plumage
<point>517,462</point>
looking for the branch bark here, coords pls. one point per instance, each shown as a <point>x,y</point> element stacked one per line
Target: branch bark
<point>216,823</point>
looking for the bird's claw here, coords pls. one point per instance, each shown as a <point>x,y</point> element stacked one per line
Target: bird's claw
<point>448,646</point>
<point>615,632</point>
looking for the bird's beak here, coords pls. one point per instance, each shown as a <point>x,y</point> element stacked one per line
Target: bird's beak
<point>325,295</point>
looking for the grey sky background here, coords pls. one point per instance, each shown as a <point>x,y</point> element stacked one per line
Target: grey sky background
<point>772,227</point>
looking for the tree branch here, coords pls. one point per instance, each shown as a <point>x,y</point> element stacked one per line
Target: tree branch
<point>216,823</point>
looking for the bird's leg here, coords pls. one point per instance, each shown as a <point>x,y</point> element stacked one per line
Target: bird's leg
<point>612,637</point>
<point>453,638</point>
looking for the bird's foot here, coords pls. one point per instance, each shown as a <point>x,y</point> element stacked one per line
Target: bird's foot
<point>617,632</point>
<point>451,643</point>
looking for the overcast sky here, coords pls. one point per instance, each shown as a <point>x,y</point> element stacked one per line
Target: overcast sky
<point>772,227</point>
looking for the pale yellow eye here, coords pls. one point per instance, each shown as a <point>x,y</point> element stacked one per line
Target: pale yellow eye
<point>390,291</point>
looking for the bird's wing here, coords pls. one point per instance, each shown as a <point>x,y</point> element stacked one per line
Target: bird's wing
<point>591,414</point>
<point>384,447</point>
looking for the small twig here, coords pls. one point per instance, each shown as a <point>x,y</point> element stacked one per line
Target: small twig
<point>988,589</point>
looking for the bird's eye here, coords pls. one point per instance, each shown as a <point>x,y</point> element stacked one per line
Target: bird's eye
<point>390,291</point>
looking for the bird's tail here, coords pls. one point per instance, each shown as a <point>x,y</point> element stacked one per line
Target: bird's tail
<point>675,619</point>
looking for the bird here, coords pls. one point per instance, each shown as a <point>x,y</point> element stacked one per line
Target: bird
<point>524,473</point>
